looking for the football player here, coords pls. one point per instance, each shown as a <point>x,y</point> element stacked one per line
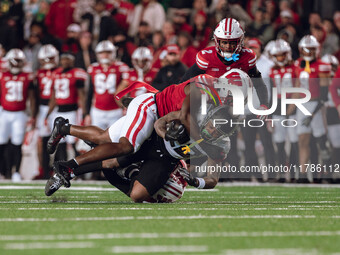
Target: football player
<point>128,134</point>
<point>313,75</point>
<point>68,93</point>
<point>48,57</point>
<point>333,115</point>
<point>142,70</point>
<point>228,53</point>
<point>105,76</point>
<point>16,87</point>
<point>283,75</point>
<point>158,156</point>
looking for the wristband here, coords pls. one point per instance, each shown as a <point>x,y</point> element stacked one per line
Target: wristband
<point>201,183</point>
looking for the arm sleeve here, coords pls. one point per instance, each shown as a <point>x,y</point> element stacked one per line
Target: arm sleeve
<point>193,71</point>
<point>261,88</point>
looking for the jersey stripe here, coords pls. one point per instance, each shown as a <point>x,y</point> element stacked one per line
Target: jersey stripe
<point>200,64</point>
<point>136,117</point>
<point>141,125</point>
<point>173,188</point>
<point>252,60</point>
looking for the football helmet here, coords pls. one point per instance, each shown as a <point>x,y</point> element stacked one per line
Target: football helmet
<point>48,57</point>
<point>234,77</point>
<point>268,47</point>
<point>173,189</point>
<point>142,59</point>
<point>211,131</point>
<point>106,46</point>
<point>229,30</point>
<point>16,60</point>
<point>330,59</point>
<point>281,47</point>
<point>309,47</point>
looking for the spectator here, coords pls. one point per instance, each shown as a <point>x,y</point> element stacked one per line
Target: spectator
<point>86,54</point>
<point>143,37</point>
<point>198,6</point>
<point>187,51</point>
<point>72,42</point>
<point>201,32</point>
<point>122,12</point>
<point>169,33</point>
<point>231,8</point>
<point>99,22</point>
<point>270,7</point>
<point>260,28</point>
<point>172,72</point>
<point>336,20</point>
<point>82,7</point>
<point>180,23</point>
<point>59,17</point>
<point>331,43</point>
<point>45,37</point>
<point>125,48</point>
<point>285,5</point>
<point>31,51</point>
<point>149,11</point>
<point>158,42</point>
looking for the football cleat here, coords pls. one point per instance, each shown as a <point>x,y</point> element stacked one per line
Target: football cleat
<point>56,134</point>
<point>53,184</point>
<point>64,172</point>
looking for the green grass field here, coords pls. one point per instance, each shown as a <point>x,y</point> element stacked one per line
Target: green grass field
<point>235,219</point>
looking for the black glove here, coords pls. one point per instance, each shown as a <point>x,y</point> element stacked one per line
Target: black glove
<point>192,181</point>
<point>176,132</point>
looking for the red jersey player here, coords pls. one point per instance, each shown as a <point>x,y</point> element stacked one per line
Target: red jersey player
<point>282,75</point>
<point>142,71</point>
<point>313,75</point>
<point>68,92</point>
<point>229,53</point>
<point>48,57</point>
<point>105,79</point>
<point>16,87</point>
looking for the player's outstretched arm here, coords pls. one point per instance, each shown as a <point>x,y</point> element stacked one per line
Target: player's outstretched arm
<point>208,182</point>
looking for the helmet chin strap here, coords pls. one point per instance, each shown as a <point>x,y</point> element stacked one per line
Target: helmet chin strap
<point>233,57</point>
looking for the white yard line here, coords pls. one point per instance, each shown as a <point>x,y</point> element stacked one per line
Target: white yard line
<point>179,235</point>
<point>51,245</point>
<point>158,249</point>
<point>182,217</point>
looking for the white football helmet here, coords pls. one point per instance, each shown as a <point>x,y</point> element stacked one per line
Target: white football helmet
<point>330,59</point>
<point>106,46</point>
<point>309,47</point>
<point>142,59</point>
<point>268,47</point>
<point>174,188</point>
<point>48,57</point>
<point>234,77</point>
<point>228,30</point>
<point>16,60</point>
<point>281,47</point>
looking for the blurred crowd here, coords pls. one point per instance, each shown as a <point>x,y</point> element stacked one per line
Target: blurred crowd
<point>173,30</point>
